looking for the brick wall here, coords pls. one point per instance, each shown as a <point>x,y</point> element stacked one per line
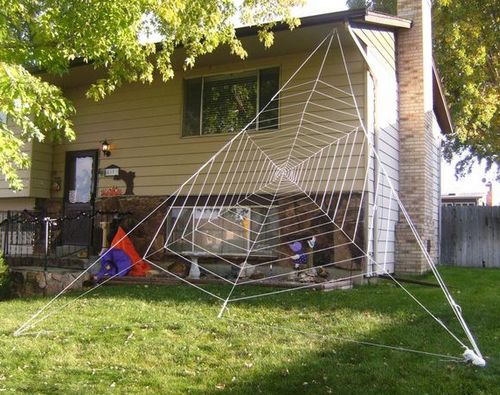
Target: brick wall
<point>418,175</point>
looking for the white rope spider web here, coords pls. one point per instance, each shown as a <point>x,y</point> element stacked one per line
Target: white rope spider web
<point>311,175</point>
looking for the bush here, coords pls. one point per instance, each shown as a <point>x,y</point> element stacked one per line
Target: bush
<point>4,279</point>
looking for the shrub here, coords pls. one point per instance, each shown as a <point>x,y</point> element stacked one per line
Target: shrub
<point>4,279</point>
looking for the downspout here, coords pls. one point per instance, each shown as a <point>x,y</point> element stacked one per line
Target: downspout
<point>372,243</point>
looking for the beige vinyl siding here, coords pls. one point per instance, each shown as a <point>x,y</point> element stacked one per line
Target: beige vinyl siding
<point>41,169</point>
<point>380,50</point>
<point>6,192</point>
<point>37,178</point>
<point>16,204</point>
<point>143,123</point>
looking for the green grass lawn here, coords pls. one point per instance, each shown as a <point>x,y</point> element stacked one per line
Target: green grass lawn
<point>167,340</point>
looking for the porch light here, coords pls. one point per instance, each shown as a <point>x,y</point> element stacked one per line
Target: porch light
<point>106,148</point>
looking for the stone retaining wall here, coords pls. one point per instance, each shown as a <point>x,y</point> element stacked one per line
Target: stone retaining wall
<point>27,282</point>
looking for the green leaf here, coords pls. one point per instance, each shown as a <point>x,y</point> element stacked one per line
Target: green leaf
<point>48,35</point>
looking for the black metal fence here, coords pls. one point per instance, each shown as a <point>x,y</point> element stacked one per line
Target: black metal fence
<point>20,232</point>
<point>32,234</point>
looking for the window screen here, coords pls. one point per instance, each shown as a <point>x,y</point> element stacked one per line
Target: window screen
<point>268,86</point>
<point>227,103</point>
<point>221,230</point>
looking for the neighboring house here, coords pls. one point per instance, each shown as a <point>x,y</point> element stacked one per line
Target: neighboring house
<point>463,199</point>
<point>158,137</point>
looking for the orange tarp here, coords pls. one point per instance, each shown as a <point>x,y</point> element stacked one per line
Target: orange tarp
<point>122,241</point>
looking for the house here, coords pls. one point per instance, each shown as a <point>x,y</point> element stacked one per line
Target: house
<point>156,136</point>
<point>463,199</point>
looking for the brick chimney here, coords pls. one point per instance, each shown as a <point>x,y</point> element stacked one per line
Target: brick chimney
<point>419,149</point>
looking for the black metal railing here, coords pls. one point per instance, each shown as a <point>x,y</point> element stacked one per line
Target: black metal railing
<point>33,234</point>
<point>19,232</point>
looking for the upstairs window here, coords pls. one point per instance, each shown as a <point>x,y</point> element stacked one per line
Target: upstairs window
<point>227,103</point>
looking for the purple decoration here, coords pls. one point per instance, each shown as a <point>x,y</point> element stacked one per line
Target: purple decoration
<point>300,258</point>
<point>296,246</point>
<point>115,263</point>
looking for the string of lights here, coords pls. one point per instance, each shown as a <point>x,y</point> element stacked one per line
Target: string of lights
<point>28,217</point>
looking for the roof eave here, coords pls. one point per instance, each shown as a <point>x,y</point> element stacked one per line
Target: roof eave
<point>441,108</point>
<point>355,15</point>
<point>358,15</point>
<point>378,18</point>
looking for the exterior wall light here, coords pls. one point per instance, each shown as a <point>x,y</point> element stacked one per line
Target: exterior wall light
<point>106,148</point>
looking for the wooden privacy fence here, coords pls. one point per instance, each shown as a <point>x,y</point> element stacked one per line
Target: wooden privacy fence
<point>470,236</point>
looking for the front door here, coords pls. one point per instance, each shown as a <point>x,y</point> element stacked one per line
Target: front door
<point>79,196</point>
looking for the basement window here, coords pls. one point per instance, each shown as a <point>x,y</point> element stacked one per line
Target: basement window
<point>222,231</point>
<point>227,103</point>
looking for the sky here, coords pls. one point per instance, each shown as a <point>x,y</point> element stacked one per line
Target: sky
<point>472,183</point>
<point>314,7</point>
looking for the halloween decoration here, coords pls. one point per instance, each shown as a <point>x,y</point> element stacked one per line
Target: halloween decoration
<point>300,258</point>
<point>115,263</point>
<point>123,242</point>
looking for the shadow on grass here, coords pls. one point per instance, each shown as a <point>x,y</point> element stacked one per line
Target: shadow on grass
<point>274,359</point>
<point>344,368</point>
<point>353,369</point>
<point>384,298</point>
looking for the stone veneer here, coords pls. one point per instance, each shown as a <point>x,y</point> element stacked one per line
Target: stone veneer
<point>34,281</point>
<point>141,206</point>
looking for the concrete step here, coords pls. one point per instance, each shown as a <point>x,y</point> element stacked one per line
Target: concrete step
<point>71,250</point>
<point>340,284</point>
<point>54,262</point>
<point>168,280</point>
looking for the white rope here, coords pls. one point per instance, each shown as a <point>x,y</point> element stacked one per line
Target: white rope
<point>310,95</point>
<point>248,255</point>
<point>423,249</point>
<point>51,301</point>
<point>300,287</point>
<point>349,340</point>
<point>406,290</point>
<point>311,164</point>
<point>70,302</point>
<point>305,270</point>
<point>182,279</point>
